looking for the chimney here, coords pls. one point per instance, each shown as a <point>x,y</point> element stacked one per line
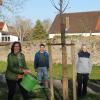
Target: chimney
<point>67,23</point>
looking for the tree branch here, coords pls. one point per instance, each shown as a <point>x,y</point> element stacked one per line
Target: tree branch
<point>66,6</point>
<point>54,5</point>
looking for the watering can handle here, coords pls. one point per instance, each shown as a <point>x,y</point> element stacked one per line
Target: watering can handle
<point>32,75</point>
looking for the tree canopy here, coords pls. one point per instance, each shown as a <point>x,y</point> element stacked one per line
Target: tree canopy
<point>38,31</point>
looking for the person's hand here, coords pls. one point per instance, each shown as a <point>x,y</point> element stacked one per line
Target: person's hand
<point>27,71</point>
<point>20,76</point>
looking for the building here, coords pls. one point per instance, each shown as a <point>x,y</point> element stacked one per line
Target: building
<point>80,23</point>
<point>3,27</point>
<point>5,35</point>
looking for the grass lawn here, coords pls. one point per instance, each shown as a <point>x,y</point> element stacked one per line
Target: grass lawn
<point>3,66</point>
<point>57,74</point>
<point>57,70</point>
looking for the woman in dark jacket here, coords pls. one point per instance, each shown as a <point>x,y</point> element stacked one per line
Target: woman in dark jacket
<point>84,67</point>
<point>16,68</point>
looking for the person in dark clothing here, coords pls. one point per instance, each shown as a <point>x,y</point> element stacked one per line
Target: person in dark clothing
<point>16,68</point>
<point>41,65</point>
<point>84,67</point>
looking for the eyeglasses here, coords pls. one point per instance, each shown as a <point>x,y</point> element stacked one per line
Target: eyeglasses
<point>16,46</point>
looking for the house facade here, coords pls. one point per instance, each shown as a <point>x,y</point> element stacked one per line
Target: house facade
<point>5,35</point>
<point>80,23</point>
<point>3,27</point>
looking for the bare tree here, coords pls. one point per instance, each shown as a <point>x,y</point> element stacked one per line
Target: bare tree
<point>10,8</point>
<point>1,2</point>
<point>22,27</point>
<point>61,6</point>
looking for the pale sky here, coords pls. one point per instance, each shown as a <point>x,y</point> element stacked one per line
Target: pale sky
<point>43,9</point>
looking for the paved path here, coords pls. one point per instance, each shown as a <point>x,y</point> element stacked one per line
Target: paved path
<point>92,87</point>
<point>44,94</point>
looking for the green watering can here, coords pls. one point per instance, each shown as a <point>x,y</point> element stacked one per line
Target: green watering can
<point>28,82</point>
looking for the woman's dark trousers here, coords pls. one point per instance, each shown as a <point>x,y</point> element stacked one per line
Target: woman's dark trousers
<point>82,80</point>
<point>12,84</point>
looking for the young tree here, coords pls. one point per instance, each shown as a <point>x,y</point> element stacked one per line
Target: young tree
<point>39,32</point>
<point>61,6</point>
<point>22,27</point>
<point>10,8</point>
<point>1,2</point>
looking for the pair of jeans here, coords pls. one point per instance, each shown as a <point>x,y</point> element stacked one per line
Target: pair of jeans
<point>12,84</point>
<point>82,80</point>
<point>42,73</point>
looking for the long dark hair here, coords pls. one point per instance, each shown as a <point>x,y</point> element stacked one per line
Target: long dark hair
<point>13,45</point>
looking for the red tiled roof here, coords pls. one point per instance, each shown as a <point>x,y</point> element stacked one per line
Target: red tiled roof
<point>1,25</point>
<point>81,22</point>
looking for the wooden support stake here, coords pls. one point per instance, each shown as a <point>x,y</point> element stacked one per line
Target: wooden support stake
<point>74,71</point>
<point>64,73</point>
<point>66,44</point>
<point>51,72</point>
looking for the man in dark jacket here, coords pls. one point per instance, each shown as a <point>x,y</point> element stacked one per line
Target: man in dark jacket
<point>41,65</point>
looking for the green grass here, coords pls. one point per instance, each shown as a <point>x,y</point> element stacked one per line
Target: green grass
<point>95,74</point>
<point>57,74</point>
<point>3,66</point>
<point>57,70</point>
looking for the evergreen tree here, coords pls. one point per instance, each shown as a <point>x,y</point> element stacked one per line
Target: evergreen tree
<point>39,32</point>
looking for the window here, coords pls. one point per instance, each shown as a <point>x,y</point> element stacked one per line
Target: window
<point>5,38</point>
<point>2,38</point>
<point>8,38</point>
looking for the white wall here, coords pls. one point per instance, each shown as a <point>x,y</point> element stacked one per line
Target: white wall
<point>52,35</point>
<point>95,33</point>
<point>71,34</point>
<point>13,38</point>
<point>67,34</point>
<point>0,36</point>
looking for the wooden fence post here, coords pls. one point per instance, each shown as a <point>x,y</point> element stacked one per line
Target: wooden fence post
<point>74,70</point>
<point>64,73</point>
<point>51,71</point>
